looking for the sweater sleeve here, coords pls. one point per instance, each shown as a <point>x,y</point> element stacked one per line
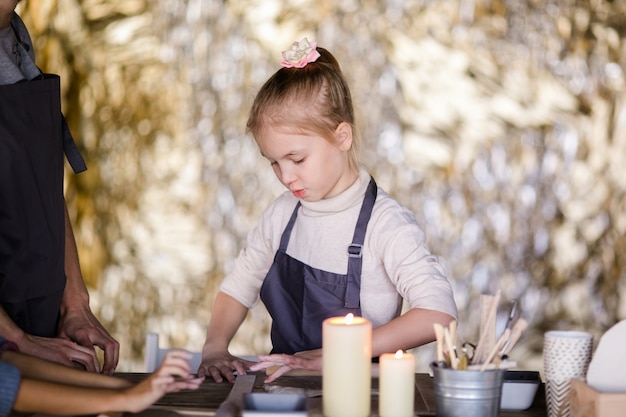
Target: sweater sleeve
<point>416,273</point>
<point>9,384</point>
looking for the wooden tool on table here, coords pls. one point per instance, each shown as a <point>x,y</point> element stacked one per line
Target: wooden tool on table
<point>234,402</point>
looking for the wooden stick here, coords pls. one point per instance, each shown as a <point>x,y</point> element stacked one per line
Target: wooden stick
<point>439,338</point>
<point>479,351</point>
<point>487,326</point>
<point>452,328</point>
<point>448,340</point>
<point>453,338</point>
<point>501,341</point>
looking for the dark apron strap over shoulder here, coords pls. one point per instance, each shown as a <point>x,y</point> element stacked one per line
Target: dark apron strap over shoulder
<point>355,255</point>
<point>74,157</point>
<point>284,239</point>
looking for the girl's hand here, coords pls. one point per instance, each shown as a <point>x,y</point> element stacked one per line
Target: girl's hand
<point>172,375</point>
<point>224,365</point>
<point>310,360</point>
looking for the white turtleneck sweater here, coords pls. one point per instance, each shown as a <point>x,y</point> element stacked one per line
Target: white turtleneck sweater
<point>396,263</point>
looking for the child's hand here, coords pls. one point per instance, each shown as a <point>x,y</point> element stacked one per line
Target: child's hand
<point>310,360</point>
<point>222,366</point>
<point>172,375</point>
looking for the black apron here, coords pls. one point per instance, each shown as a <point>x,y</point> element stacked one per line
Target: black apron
<point>299,297</point>
<point>33,137</point>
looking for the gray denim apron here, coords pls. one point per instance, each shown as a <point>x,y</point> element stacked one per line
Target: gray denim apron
<point>299,297</point>
<point>33,137</point>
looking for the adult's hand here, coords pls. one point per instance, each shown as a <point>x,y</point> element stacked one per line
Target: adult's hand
<point>79,325</point>
<point>222,365</point>
<point>60,351</point>
<point>310,360</point>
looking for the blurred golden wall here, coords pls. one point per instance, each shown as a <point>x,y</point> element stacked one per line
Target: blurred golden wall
<point>501,124</point>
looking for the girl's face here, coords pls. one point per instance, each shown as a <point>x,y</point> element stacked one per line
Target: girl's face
<point>310,166</point>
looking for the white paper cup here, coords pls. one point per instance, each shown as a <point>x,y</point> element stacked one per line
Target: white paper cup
<point>566,355</point>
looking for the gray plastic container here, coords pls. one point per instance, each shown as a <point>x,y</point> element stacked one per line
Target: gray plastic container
<point>467,393</point>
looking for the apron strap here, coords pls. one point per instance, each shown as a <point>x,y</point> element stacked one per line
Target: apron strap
<point>284,239</point>
<point>355,250</point>
<point>71,151</point>
<point>69,146</point>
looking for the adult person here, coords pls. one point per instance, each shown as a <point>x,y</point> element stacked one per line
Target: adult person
<point>44,303</point>
<point>334,243</point>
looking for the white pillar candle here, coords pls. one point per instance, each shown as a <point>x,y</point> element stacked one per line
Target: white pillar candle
<point>396,385</point>
<point>346,366</point>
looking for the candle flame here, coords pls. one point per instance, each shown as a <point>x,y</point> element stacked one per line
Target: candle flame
<point>399,354</point>
<point>349,318</point>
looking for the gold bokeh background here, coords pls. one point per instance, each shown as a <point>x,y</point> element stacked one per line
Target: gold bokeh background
<point>500,124</point>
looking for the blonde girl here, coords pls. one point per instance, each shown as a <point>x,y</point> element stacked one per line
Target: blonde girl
<point>333,243</point>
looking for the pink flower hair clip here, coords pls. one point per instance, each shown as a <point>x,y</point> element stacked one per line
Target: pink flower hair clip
<point>300,54</point>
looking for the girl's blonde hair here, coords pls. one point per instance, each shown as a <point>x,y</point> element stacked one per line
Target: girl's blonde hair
<point>314,99</point>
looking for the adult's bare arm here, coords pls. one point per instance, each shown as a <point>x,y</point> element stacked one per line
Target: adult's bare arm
<point>45,370</point>
<point>77,322</point>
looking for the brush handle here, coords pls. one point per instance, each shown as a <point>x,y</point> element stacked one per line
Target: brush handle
<point>516,332</point>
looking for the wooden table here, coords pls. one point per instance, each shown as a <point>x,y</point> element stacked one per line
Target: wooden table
<point>207,399</point>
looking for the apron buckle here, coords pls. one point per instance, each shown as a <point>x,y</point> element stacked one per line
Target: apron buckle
<point>355,250</point>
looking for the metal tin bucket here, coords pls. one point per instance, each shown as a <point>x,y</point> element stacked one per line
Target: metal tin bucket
<point>467,393</point>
